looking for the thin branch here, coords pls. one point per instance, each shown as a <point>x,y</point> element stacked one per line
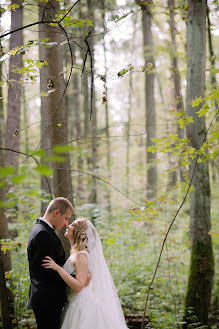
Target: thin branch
<point>37,23</point>
<point>104,181</point>
<point>172,222</point>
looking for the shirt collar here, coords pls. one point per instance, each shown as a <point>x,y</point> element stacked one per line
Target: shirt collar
<point>47,222</point>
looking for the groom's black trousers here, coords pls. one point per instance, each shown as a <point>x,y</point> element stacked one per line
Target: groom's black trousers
<point>47,317</point>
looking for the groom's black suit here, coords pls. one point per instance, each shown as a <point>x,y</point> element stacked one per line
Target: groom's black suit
<point>47,289</point>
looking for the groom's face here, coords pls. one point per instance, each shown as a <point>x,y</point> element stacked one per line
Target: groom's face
<point>61,220</point>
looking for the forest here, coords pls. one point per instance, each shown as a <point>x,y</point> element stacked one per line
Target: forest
<point>113,104</point>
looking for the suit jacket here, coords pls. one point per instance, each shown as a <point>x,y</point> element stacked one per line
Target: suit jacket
<point>46,286</point>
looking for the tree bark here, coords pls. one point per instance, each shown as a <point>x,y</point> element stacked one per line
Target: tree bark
<point>14,88</point>
<point>197,299</point>
<point>108,146</point>
<point>175,74</point>
<point>57,114</point>
<point>150,113</point>
<point>76,110</point>
<point>128,135</point>
<point>45,141</point>
<point>5,308</point>
<point>93,194</point>
<point>213,78</point>
<point>12,138</point>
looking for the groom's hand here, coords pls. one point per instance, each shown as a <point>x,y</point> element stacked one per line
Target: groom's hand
<point>89,276</point>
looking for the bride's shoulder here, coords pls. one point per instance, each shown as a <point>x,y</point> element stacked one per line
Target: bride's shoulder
<point>83,252</point>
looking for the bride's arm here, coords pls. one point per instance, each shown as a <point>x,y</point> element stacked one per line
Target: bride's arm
<point>76,284</point>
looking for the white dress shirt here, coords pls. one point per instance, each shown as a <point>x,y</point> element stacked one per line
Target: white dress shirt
<point>47,222</point>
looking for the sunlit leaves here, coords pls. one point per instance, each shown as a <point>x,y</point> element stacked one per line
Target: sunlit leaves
<point>185,120</point>
<point>14,51</point>
<point>196,102</point>
<point>8,244</point>
<point>122,72</point>
<point>68,20</point>
<point>13,6</point>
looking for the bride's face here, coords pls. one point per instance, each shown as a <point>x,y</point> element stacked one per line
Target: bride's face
<point>69,231</point>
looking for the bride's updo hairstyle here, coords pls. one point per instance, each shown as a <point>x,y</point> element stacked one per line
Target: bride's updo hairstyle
<point>80,235</point>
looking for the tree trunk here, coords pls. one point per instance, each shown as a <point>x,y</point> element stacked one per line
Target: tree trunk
<point>108,146</point>
<point>175,74</point>
<point>57,113</point>
<point>26,122</point>
<point>12,138</point>
<point>14,88</point>
<point>76,98</point>
<point>5,308</point>
<point>150,113</point>
<point>197,299</point>
<point>128,135</point>
<point>45,141</point>
<point>93,194</point>
<point>1,106</point>
<point>213,78</point>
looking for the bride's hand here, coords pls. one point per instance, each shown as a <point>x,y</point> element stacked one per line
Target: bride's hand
<point>49,263</point>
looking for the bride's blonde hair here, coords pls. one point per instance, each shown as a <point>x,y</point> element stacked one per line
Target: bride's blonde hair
<point>80,235</point>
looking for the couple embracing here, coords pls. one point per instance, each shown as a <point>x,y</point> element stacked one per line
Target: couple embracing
<point>77,293</point>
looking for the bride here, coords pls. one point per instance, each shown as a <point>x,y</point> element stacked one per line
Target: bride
<point>95,305</point>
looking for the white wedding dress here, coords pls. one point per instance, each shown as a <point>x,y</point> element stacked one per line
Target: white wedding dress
<point>83,311</point>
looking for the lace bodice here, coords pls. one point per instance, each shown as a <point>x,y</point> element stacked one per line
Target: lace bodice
<point>70,268</point>
<point>69,264</point>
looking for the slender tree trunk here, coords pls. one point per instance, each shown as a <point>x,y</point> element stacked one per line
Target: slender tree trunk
<point>5,306</point>
<point>128,135</point>
<point>108,146</point>
<point>57,113</point>
<point>93,194</point>
<point>76,110</point>
<point>44,134</point>
<point>86,105</point>
<point>197,299</point>
<point>1,107</point>
<point>12,138</point>
<point>150,113</point>
<point>14,88</point>
<point>213,78</point>
<point>26,122</point>
<point>175,74</point>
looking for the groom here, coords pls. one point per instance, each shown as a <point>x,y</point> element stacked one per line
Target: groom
<point>47,290</point>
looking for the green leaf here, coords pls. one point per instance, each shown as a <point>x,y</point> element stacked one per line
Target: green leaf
<point>196,102</point>
<point>18,179</point>
<point>152,149</point>
<point>63,148</point>
<point>40,152</point>
<point>54,158</point>
<point>6,171</point>
<point>13,6</point>
<point>44,170</point>
<point>15,50</point>
<point>202,112</point>
<point>122,72</point>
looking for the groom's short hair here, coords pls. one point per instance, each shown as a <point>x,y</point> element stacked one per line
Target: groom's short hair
<point>60,203</point>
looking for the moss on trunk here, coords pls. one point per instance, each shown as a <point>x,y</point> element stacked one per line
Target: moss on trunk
<point>199,285</point>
